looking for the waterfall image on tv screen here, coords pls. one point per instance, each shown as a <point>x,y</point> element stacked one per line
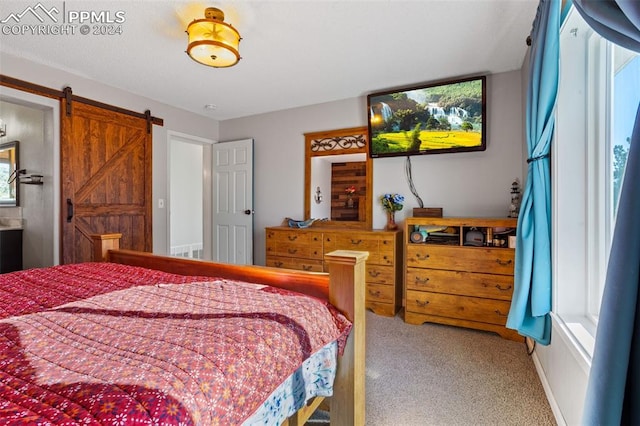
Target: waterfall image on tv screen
<point>428,119</point>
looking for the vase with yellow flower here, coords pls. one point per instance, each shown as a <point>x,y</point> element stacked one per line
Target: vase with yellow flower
<point>391,203</point>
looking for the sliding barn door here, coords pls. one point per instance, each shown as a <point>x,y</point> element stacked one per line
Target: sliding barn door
<point>105,178</point>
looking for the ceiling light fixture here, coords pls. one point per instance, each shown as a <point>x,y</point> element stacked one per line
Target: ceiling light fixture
<point>213,42</point>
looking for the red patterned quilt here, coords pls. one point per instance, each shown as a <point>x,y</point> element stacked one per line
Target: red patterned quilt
<point>114,344</point>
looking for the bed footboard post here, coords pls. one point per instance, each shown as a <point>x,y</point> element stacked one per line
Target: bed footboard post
<point>102,243</point>
<point>347,293</point>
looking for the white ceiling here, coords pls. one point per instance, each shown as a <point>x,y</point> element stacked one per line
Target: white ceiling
<point>294,53</point>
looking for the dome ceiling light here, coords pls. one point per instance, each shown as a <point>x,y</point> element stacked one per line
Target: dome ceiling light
<point>212,41</point>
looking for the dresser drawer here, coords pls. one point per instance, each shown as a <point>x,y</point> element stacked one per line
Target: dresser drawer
<point>381,248</point>
<point>352,241</point>
<point>380,293</point>
<point>380,274</point>
<point>463,283</point>
<point>385,254</point>
<point>470,259</point>
<point>294,237</point>
<point>304,251</point>
<point>294,263</point>
<point>460,307</point>
<point>376,258</point>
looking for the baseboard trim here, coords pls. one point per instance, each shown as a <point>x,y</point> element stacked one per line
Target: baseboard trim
<point>555,408</point>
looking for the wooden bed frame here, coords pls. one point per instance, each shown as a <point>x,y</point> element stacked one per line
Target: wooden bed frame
<point>343,287</point>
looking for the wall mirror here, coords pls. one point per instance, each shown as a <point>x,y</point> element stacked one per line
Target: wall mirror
<point>338,178</point>
<point>9,166</point>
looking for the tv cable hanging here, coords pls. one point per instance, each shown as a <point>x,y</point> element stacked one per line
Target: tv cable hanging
<point>412,188</point>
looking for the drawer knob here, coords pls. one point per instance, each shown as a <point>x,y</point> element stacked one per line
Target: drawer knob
<point>306,267</point>
<point>503,262</point>
<point>497,311</point>
<point>422,280</point>
<point>422,256</point>
<point>356,242</point>
<point>503,288</point>
<point>375,293</point>
<point>374,273</point>
<point>292,251</point>
<point>292,237</point>
<point>278,264</point>
<point>422,304</point>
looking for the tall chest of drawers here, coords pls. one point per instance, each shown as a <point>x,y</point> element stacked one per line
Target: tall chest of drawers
<point>305,249</point>
<point>450,282</point>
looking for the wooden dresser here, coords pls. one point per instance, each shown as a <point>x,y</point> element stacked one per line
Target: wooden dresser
<point>450,282</point>
<point>305,249</point>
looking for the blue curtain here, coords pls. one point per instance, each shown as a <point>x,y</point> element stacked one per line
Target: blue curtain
<point>531,304</point>
<point>613,392</point>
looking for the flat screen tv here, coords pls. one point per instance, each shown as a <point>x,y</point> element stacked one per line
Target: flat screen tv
<point>432,118</point>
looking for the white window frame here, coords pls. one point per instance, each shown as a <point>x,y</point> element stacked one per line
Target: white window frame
<point>575,191</point>
<point>599,87</point>
<point>582,199</point>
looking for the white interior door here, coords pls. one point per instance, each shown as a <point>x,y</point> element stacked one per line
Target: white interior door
<point>233,202</point>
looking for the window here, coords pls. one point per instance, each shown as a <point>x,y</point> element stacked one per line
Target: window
<point>598,98</point>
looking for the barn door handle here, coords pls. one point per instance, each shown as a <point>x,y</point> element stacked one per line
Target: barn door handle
<point>69,210</point>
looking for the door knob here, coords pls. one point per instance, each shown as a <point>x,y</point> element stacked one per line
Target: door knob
<point>248,211</point>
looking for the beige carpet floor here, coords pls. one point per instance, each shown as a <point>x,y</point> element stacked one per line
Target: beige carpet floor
<point>440,375</point>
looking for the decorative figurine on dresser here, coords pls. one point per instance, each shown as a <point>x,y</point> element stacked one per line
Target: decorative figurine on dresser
<point>514,206</point>
<point>338,216</point>
<point>459,271</point>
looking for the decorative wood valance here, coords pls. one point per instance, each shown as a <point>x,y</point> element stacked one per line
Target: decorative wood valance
<point>338,143</point>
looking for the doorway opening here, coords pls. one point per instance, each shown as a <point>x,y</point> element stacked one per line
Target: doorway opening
<point>189,196</point>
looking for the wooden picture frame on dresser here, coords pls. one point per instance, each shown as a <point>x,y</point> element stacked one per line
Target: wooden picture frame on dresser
<point>459,271</point>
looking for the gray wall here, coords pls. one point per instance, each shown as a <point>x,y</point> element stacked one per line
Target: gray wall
<point>465,184</point>
<point>174,119</point>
